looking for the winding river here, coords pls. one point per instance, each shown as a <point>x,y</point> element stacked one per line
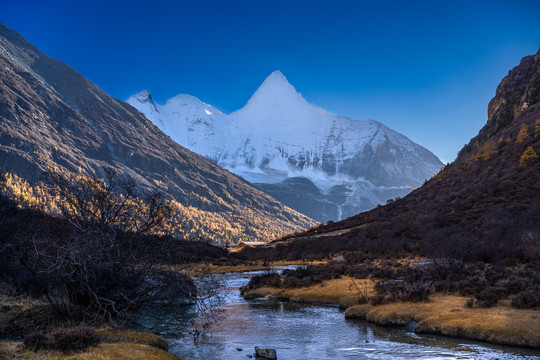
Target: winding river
<point>299,331</point>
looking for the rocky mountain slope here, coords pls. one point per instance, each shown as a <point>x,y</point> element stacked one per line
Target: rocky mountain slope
<point>484,206</point>
<point>326,166</point>
<point>53,118</point>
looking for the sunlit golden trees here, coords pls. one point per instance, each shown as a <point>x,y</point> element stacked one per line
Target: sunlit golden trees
<point>523,134</point>
<point>528,156</point>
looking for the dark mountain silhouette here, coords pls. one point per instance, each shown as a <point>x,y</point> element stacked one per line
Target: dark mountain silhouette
<point>53,118</point>
<point>485,205</point>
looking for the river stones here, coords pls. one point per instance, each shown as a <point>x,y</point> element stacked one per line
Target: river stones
<point>269,354</point>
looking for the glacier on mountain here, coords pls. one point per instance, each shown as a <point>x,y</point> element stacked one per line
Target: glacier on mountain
<point>326,166</point>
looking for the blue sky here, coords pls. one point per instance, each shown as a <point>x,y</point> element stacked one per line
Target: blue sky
<point>425,68</point>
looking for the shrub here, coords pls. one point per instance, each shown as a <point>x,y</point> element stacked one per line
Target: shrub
<point>377,299</point>
<point>383,272</point>
<point>269,279</point>
<point>495,273</point>
<point>487,298</point>
<point>390,290</point>
<point>417,291</point>
<point>527,299</point>
<point>513,284</point>
<point>292,281</point>
<point>397,290</point>
<point>36,341</point>
<point>74,339</point>
<point>472,285</point>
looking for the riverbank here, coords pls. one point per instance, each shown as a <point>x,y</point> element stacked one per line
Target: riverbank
<point>448,315</point>
<point>115,344</point>
<point>443,314</point>
<point>20,316</point>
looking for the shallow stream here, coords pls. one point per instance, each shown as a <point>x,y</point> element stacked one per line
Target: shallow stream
<point>299,331</point>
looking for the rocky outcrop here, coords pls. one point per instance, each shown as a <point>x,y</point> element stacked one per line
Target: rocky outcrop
<point>265,354</point>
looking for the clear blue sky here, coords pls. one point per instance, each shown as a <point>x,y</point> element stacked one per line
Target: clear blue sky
<point>425,68</point>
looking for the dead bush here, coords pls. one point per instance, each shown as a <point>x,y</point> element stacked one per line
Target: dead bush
<point>74,339</point>
<point>36,341</point>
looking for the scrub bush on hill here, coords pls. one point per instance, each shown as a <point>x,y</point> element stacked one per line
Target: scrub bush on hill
<point>36,341</point>
<point>399,290</point>
<point>67,340</point>
<point>487,298</point>
<point>528,299</point>
<point>74,339</point>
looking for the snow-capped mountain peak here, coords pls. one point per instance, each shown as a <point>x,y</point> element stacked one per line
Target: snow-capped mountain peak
<point>275,87</point>
<point>143,102</point>
<point>143,96</point>
<point>189,104</point>
<point>276,94</point>
<point>278,136</point>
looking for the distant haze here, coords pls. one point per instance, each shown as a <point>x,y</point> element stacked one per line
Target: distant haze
<point>425,68</point>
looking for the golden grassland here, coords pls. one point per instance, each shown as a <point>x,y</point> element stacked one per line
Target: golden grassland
<point>117,344</point>
<point>343,292</point>
<point>443,314</point>
<point>448,315</point>
<point>112,335</point>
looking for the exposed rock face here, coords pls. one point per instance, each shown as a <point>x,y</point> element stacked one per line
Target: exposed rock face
<point>515,94</point>
<point>278,135</point>
<point>51,117</point>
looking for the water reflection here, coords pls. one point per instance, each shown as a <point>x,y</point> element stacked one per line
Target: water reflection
<point>320,332</point>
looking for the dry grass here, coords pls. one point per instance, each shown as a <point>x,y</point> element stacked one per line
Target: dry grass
<point>138,337</point>
<point>117,351</point>
<point>344,292</point>
<point>21,302</point>
<point>117,344</point>
<point>447,315</point>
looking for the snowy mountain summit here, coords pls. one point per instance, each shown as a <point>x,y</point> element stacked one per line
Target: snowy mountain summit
<point>326,166</point>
